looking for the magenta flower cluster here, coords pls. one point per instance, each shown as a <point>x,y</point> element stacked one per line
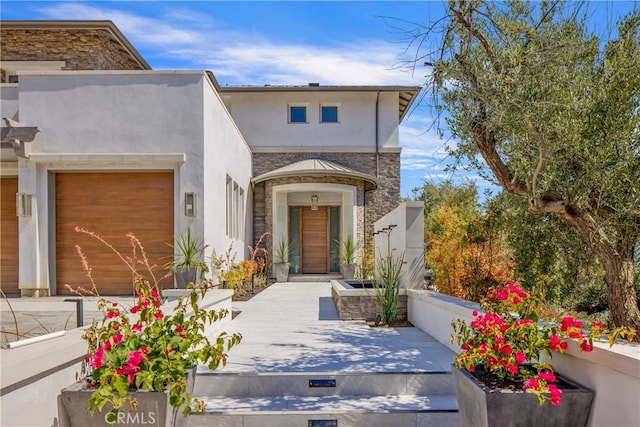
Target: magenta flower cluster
<point>508,339</point>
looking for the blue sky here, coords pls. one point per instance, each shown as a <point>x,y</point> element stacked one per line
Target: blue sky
<point>265,42</point>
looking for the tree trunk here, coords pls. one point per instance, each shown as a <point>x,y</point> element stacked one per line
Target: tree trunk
<point>617,261</point>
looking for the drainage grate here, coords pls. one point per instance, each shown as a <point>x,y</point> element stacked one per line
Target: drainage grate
<point>322,383</point>
<point>323,423</point>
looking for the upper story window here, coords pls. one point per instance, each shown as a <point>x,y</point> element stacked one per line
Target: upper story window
<point>329,114</point>
<point>297,114</point>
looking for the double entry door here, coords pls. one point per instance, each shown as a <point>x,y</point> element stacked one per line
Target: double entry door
<point>314,237</point>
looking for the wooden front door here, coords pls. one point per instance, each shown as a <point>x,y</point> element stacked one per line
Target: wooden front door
<point>315,240</point>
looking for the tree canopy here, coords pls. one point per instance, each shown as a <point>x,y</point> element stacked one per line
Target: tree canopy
<point>553,111</point>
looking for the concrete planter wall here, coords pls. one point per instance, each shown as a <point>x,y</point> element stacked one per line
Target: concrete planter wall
<point>153,407</point>
<point>483,407</point>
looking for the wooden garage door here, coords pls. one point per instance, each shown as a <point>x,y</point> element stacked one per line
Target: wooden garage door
<point>111,205</point>
<point>8,236</point>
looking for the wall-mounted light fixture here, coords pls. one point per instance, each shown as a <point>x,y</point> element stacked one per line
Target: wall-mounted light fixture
<point>314,202</point>
<point>189,204</point>
<point>23,204</point>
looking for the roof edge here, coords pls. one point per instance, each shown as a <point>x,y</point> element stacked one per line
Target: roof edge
<point>78,25</point>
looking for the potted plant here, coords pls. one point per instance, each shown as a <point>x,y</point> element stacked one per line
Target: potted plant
<point>281,260</point>
<point>348,258</point>
<point>189,259</point>
<point>141,359</point>
<point>498,377</point>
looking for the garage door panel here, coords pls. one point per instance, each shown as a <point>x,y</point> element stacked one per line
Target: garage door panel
<point>8,236</point>
<point>111,205</point>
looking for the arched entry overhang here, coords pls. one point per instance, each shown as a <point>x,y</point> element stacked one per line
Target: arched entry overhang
<point>337,194</point>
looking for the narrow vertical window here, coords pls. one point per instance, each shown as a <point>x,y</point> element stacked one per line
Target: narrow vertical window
<point>229,207</point>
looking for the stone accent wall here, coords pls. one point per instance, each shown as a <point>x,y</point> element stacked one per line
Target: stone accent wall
<point>371,206</point>
<point>81,49</point>
<point>359,307</point>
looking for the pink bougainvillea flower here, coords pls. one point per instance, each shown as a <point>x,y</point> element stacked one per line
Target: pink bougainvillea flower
<point>492,361</point>
<point>136,327</point>
<point>116,327</point>
<point>135,358</point>
<point>474,313</point>
<point>112,313</point>
<point>520,358</point>
<point>597,325</point>
<point>158,315</point>
<point>585,346</point>
<point>154,293</point>
<point>117,339</point>
<point>554,342</point>
<point>158,303</point>
<point>135,309</point>
<point>144,349</point>
<point>179,328</point>
<point>114,304</point>
<point>501,295</point>
<point>531,384</point>
<point>506,350</point>
<point>547,376</point>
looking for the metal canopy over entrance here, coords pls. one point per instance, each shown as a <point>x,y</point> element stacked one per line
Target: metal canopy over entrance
<point>317,167</point>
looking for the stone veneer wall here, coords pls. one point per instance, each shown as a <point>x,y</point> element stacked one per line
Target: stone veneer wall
<point>371,206</point>
<point>81,49</point>
<point>367,307</point>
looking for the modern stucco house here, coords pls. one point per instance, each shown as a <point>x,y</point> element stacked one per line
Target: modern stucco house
<point>123,148</point>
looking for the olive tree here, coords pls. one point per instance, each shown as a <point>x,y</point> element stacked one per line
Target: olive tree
<point>553,111</point>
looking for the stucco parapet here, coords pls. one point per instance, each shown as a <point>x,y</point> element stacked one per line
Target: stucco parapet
<point>152,158</point>
<point>110,72</point>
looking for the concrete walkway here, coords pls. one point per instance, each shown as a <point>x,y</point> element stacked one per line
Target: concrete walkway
<point>294,327</point>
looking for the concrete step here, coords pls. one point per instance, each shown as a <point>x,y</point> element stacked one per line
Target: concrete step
<point>309,278</point>
<point>338,411</point>
<point>305,384</point>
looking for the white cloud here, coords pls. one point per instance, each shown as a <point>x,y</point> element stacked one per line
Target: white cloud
<point>239,58</point>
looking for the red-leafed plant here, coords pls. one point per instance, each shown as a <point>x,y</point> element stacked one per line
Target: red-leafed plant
<point>506,341</point>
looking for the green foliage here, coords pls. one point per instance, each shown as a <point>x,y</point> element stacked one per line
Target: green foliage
<point>347,250</point>
<point>283,250</point>
<point>466,248</point>
<point>553,111</point>
<point>508,334</point>
<point>387,284</point>
<point>146,347</point>
<point>190,253</point>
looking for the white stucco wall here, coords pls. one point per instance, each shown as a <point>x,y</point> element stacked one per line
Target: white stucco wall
<point>406,239</point>
<point>256,111</point>
<point>225,153</point>
<point>121,120</point>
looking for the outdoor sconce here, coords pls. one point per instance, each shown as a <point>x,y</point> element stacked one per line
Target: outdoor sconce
<point>23,204</point>
<point>190,204</point>
<point>314,202</point>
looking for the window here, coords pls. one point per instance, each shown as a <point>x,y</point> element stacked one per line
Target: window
<point>329,114</point>
<point>297,114</point>
<point>234,209</point>
<point>12,79</point>
<point>229,206</point>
